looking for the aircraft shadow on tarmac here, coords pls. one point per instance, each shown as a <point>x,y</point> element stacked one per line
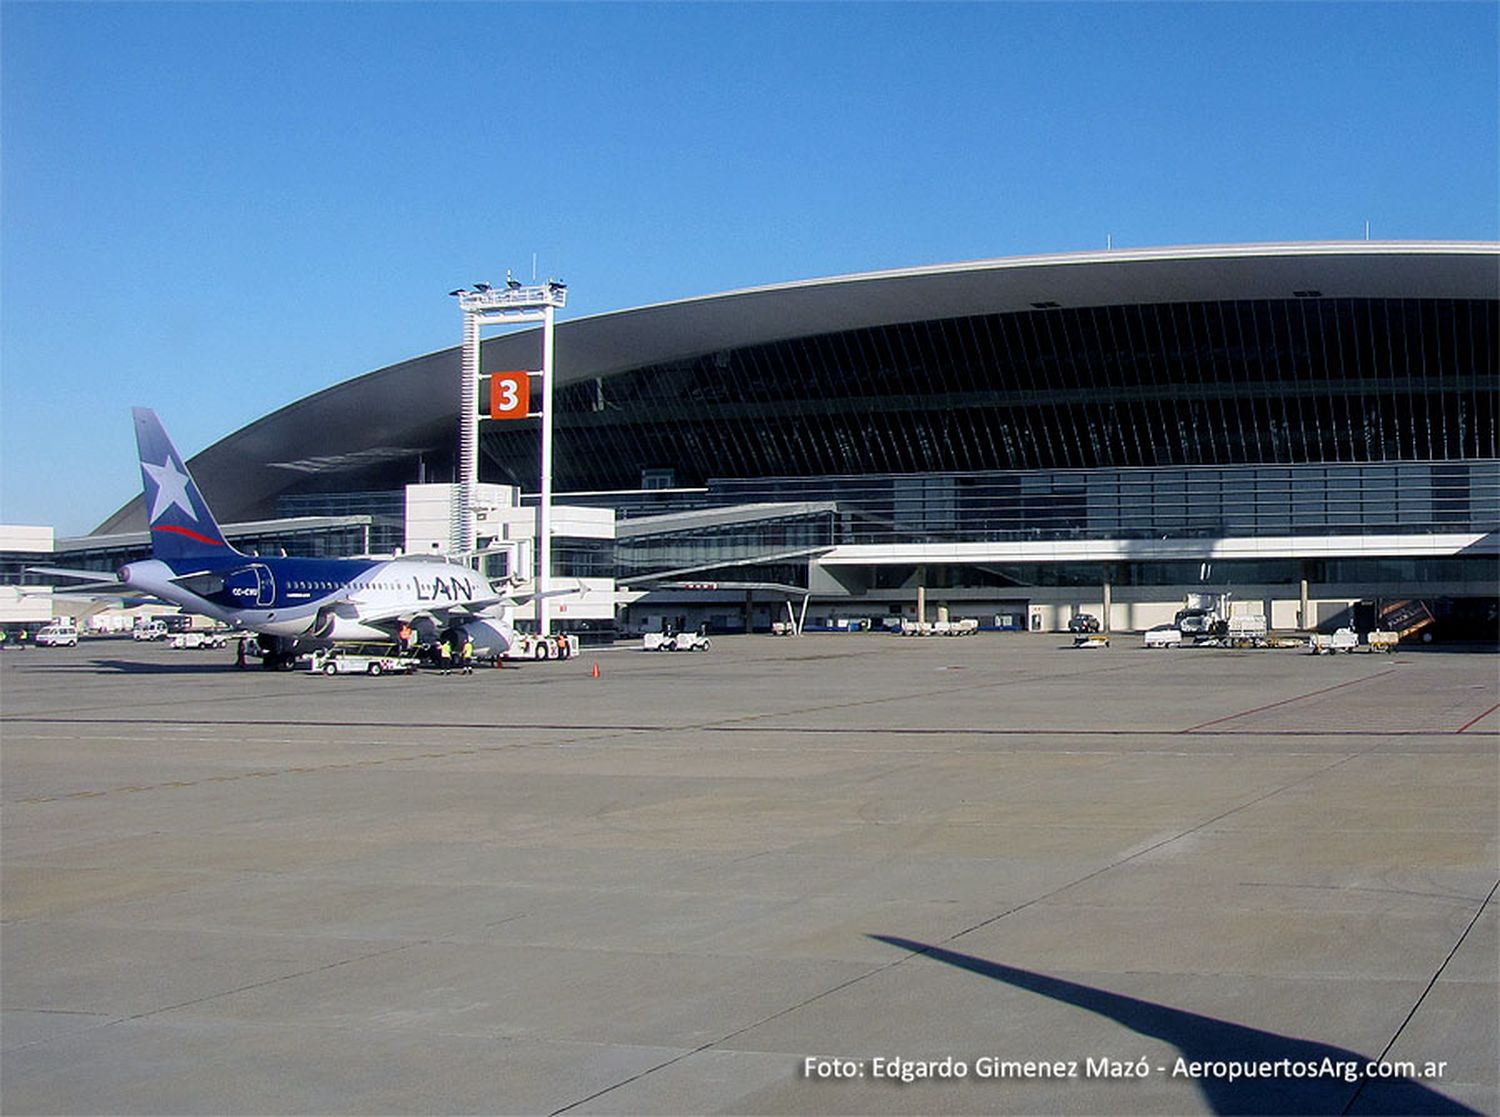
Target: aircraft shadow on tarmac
<point>138,667</point>
<point>1207,1040</point>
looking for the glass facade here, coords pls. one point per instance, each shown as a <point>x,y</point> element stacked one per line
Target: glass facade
<point>387,512</point>
<point>1297,416</point>
<point>1469,570</point>
<point>84,553</point>
<point>1011,506</point>
<point>721,547</point>
<point>1291,382</point>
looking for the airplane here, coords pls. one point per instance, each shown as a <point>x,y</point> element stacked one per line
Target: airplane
<point>294,605</point>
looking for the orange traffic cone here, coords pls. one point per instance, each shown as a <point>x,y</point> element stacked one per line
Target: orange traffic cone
<point>595,672</point>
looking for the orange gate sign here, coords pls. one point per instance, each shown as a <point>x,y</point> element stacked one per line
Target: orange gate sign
<point>510,395</point>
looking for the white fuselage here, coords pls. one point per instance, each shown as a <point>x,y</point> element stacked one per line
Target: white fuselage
<point>330,600</point>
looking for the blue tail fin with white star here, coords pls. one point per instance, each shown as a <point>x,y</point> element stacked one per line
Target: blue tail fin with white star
<point>181,524</point>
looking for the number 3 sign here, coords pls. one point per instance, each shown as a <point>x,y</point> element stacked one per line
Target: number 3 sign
<point>510,395</point>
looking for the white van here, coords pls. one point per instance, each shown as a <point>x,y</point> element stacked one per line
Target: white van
<point>58,634</point>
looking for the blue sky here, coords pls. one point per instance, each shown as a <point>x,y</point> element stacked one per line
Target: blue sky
<point>216,209</point>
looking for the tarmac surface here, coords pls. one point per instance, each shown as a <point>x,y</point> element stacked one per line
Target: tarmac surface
<point>1032,879</point>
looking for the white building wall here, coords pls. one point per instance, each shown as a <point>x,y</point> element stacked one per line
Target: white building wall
<point>32,606</point>
<point>501,518</point>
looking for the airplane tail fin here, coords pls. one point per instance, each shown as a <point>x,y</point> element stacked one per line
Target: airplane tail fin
<point>181,524</point>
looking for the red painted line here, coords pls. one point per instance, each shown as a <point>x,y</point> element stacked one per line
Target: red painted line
<point>1285,701</point>
<point>189,533</point>
<point>1480,718</point>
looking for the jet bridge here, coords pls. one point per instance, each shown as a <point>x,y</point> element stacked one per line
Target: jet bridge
<point>716,550</point>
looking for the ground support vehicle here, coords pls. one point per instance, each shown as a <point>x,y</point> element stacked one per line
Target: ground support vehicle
<point>1383,641</point>
<point>526,646</point>
<point>156,630</point>
<point>1247,631</point>
<point>1405,618</point>
<point>333,661</point>
<point>199,640</point>
<point>1090,640</point>
<point>1163,636</point>
<point>57,635</point>
<point>1344,640</point>
<point>968,626</point>
<point>676,642</point>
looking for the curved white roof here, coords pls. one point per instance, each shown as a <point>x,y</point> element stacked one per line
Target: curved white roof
<point>403,408</point>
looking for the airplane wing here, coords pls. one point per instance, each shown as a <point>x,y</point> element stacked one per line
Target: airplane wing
<point>523,598</point>
<point>409,611</point>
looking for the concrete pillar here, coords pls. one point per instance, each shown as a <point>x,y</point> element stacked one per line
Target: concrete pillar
<point>921,594</point>
<point>1104,620</point>
<point>942,614</point>
<point>1304,622</point>
<point>749,612</point>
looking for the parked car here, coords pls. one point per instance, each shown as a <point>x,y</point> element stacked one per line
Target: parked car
<point>58,634</point>
<point>1163,636</point>
<point>1084,622</point>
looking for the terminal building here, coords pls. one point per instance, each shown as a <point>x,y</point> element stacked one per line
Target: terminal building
<point>1310,429</point>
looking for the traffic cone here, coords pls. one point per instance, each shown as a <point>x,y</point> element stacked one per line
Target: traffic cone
<point>595,672</point>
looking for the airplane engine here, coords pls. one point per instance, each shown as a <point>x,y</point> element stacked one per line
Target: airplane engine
<point>278,653</point>
<point>491,638</point>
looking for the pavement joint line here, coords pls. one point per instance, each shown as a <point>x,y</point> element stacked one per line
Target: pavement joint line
<point>606,736</point>
<point>937,692</point>
<point>1470,724</point>
<point>711,1044</point>
<point>274,980</point>
<point>109,1020</point>
<point>1163,843</point>
<point>1288,701</point>
<point>1386,1050</point>
<point>1451,896</point>
<point>737,723</point>
<point>830,730</point>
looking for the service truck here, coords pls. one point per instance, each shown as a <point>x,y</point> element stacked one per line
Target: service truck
<point>337,661</point>
<point>527,646</point>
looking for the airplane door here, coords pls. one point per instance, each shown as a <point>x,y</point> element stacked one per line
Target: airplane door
<point>265,586</point>
<point>249,587</point>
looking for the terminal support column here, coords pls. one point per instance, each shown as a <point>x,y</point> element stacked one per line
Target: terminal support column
<point>461,515</point>
<point>544,506</point>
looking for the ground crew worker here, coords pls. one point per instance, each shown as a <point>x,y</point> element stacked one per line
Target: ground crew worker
<point>445,656</point>
<point>468,654</point>
<point>239,654</point>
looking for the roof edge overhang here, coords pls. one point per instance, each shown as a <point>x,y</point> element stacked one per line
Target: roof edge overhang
<point>1110,256</point>
<point>413,403</point>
